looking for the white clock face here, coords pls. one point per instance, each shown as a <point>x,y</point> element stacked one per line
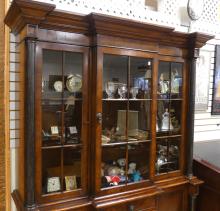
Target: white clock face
<point>53,184</point>
<point>195,9</point>
<point>58,86</point>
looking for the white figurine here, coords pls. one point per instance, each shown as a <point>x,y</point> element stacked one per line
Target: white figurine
<point>166,121</point>
<point>132,168</point>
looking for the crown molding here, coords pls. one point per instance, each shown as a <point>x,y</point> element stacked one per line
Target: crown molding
<point>24,12</point>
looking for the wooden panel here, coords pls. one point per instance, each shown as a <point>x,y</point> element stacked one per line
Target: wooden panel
<point>172,201</point>
<point>145,204</point>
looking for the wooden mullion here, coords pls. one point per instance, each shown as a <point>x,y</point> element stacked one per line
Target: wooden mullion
<point>126,131</point>
<point>62,123</point>
<point>154,73</point>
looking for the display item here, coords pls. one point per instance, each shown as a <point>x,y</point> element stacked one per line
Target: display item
<point>166,121</point>
<point>58,86</point>
<point>53,184</point>
<point>74,83</point>
<point>164,85</point>
<point>70,182</point>
<point>132,168</point>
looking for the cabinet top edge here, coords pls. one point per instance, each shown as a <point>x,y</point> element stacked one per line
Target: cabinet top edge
<point>43,15</point>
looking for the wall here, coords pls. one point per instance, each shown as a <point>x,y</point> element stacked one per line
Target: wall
<point>169,12</point>
<point>206,125</point>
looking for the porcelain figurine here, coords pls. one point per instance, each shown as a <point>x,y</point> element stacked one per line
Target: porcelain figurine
<point>132,168</point>
<point>166,121</point>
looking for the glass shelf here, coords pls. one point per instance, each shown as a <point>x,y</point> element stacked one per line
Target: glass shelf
<point>62,146</point>
<point>128,99</point>
<point>125,143</point>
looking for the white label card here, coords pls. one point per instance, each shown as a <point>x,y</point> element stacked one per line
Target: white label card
<point>73,130</point>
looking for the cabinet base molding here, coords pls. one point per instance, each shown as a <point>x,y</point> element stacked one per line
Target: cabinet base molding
<point>127,197</point>
<point>147,198</point>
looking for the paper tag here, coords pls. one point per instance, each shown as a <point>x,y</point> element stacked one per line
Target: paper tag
<point>73,130</point>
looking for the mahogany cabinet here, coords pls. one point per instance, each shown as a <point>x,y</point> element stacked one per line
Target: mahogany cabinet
<point>107,108</point>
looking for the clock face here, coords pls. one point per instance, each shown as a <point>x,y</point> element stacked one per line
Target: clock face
<point>58,86</point>
<point>53,184</point>
<point>74,83</point>
<point>195,9</point>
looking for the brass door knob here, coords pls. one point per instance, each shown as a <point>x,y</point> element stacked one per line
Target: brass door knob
<point>99,117</point>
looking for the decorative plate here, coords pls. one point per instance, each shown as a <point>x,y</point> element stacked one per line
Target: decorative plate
<point>58,86</point>
<point>74,83</point>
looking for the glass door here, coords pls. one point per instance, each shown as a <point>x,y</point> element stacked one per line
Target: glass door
<point>169,110</point>
<point>126,115</point>
<point>63,134</point>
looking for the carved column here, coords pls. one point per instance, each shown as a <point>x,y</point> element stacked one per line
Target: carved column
<point>30,124</point>
<point>191,110</point>
<point>194,183</point>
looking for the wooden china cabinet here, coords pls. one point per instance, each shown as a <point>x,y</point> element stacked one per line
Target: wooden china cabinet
<point>107,108</point>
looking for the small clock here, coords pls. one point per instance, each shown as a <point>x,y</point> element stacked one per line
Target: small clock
<point>74,83</point>
<point>195,9</point>
<point>53,184</point>
<point>58,86</point>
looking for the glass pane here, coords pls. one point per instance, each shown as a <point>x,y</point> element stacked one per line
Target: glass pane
<point>176,80</point>
<point>175,115</point>
<point>73,66</point>
<point>114,120</point>
<point>61,119</point>
<point>52,87</point>
<point>113,165</point>
<point>51,125</point>
<point>139,120</point>
<point>174,153</point>
<point>51,170</point>
<point>167,154</point>
<point>140,78</point>
<point>164,80</point>
<point>115,77</point>
<point>164,124</point>
<point>138,162</point>
<point>114,104</point>
<point>72,169</point>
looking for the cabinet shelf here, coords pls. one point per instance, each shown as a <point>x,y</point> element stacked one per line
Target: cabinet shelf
<point>128,99</point>
<point>170,99</point>
<point>169,136</point>
<point>62,146</point>
<point>125,143</point>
